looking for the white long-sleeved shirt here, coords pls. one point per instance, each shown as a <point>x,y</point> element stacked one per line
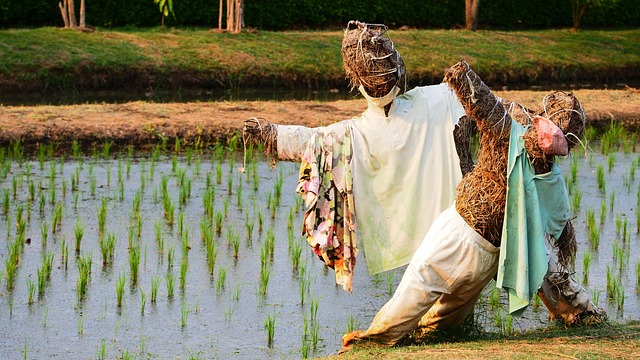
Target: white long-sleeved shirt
<point>405,170</point>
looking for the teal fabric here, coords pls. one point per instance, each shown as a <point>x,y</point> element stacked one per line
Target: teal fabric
<point>535,205</point>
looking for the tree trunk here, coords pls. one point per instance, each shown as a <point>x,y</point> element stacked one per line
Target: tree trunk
<point>471,14</point>
<point>220,15</point>
<point>63,11</point>
<point>72,14</point>
<point>82,15</point>
<point>578,9</point>
<point>230,6</point>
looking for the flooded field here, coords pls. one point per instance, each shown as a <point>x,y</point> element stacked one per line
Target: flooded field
<point>177,254</point>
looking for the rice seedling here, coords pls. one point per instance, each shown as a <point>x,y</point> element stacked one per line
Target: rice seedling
<point>611,160</point>
<point>235,242</point>
<point>6,201</point>
<point>248,224</point>
<point>80,325</point>
<point>32,191</point>
<point>25,349</point>
<point>303,284</point>
<point>101,353</point>
<point>84,273</point>
<point>79,233</point>
<point>170,256</point>
<point>235,296</point>
<point>221,281</point>
<point>593,230</point>
<point>352,323</point>
<point>315,334</point>
<point>218,173</point>
<point>260,222</point>
<point>102,216</point>
<point>296,252</point>
<point>31,291</point>
<point>159,238</point>
<point>10,269</point>
<point>185,314</point>
<point>619,297</point>
<point>64,253</point>
<point>45,315</point>
<point>612,201</point>
<point>143,300</point>
<point>212,254</point>
<point>390,277</point>
<point>155,285</point>
<point>612,283</point>
<point>603,211</point>
<point>52,195</point>
<point>305,348</point>
<point>228,313</point>
<point>239,195</point>
<point>638,276</point>
<point>41,203</point>
<point>600,177</point>
<point>270,326</point>
<point>183,273</point>
<point>586,262</point>
<point>265,274</point>
<point>170,282</point>
<point>56,220</point>
<point>134,263</point>
<point>632,171</point>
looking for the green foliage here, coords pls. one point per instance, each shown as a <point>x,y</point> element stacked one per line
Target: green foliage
<point>165,7</point>
<point>297,14</point>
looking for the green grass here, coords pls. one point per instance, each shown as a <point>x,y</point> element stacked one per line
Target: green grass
<point>43,56</point>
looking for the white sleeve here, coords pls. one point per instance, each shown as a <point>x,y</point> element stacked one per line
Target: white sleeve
<point>292,140</point>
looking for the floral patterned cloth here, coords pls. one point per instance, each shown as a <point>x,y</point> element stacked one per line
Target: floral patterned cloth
<point>325,183</point>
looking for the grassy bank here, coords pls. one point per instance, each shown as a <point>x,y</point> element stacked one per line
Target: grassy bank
<point>52,59</point>
<point>605,341</point>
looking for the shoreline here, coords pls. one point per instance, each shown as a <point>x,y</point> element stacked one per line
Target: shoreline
<point>142,124</point>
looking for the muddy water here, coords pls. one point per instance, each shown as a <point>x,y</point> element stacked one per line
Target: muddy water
<point>207,319</point>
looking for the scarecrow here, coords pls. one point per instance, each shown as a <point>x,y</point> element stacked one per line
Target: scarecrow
<point>396,167</point>
<point>390,171</point>
<point>505,208</point>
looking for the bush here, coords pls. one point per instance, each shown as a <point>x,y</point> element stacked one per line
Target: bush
<point>321,14</point>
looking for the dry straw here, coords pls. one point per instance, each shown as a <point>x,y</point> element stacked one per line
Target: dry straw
<point>482,192</point>
<point>370,59</point>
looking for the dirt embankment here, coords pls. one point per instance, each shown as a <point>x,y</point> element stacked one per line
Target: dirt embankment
<point>143,123</point>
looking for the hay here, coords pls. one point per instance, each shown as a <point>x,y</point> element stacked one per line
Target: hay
<point>481,195</point>
<point>371,60</point>
<point>260,131</point>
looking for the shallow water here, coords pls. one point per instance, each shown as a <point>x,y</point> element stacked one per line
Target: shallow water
<point>205,319</point>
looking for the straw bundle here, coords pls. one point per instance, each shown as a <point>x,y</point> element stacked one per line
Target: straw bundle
<point>370,59</point>
<point>481,194</point>
<point>260,131</point>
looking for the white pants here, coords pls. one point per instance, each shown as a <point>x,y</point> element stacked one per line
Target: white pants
<point>442,282</point>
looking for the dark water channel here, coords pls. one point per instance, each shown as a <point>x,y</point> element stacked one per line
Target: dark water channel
<point>223,315</point>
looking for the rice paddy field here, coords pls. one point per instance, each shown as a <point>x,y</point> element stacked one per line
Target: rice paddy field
<point>175,253</point>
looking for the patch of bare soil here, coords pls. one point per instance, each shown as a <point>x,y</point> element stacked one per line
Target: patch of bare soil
<point>142,123</point>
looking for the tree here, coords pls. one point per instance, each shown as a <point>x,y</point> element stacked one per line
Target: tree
<point>166,8</point>
<point>67,9</point>
<point>578,8</point>
<point>234,16</point>
<point>471,14</point>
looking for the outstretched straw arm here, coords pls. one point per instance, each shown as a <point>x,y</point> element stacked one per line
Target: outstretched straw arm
<point>479,102</point>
